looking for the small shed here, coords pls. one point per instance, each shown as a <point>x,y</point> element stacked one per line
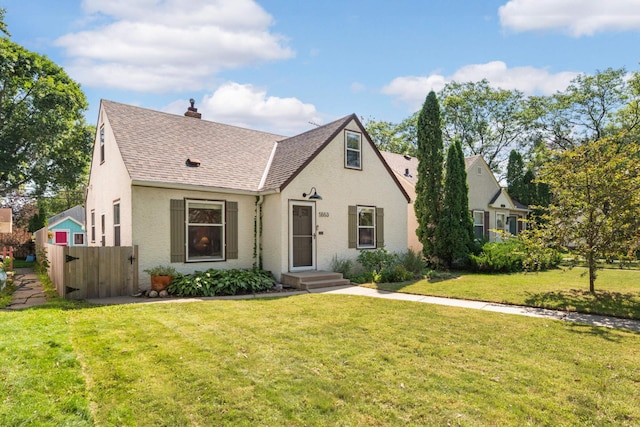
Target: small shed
<point>67,228</point>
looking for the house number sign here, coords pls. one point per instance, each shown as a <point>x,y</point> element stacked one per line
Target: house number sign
<point>323,214</point>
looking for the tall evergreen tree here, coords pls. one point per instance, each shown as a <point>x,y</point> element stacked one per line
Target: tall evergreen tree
<point>454,231</point>
<point>515,176</point>
<point>429,185</point>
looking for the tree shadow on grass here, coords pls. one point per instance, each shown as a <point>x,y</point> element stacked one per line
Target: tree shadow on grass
<point>623,305</point>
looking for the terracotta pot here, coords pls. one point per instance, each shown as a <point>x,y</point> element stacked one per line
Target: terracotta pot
<point>160,283</point>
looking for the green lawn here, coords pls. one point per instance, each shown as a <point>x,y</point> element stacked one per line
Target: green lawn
<point>617,291</point>
<point>311,360</point>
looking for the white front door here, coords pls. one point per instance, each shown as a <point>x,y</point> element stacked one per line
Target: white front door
<point>302,236</point>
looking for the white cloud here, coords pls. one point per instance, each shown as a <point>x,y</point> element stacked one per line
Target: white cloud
<point>170,45</point>
<point>248,106</point>
<point>577,17</point>
<point>412,90</point>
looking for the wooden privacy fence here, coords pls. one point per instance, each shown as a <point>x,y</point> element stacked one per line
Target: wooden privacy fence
<point>82,272</point>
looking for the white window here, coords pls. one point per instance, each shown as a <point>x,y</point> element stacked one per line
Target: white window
<point>205,230</point>
<point>101,145</point>
<point>500,221</point>
<point>366,227</point>
<point>478,224</point>
<point>93,226</point>
<point>103,224</point>
<point>353,150</point>
<point>116,223</point>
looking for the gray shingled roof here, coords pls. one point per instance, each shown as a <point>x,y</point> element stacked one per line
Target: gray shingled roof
<point>294,153</point>
<point>155,147</point>
<point>76,212</point>
<point>400,163</point>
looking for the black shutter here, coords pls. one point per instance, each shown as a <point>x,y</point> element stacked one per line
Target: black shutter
<point>176,227</point>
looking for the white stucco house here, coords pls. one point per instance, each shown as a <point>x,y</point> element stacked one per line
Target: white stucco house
<point>196,194</point>
<point>492,208</point>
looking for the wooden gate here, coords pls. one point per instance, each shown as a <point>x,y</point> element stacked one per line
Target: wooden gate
<point>94,272</point>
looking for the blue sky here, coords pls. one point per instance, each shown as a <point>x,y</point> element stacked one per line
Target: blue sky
<point>278,65</point>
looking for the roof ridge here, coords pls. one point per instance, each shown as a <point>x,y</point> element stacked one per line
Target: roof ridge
<point>178,116</point>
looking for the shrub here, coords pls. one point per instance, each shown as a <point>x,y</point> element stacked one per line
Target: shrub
<point>514,254</point>
<point>376,260</point>
<point>220,282</point>
<point>341,266</point>
<point>413,262</point>
<point>499,257</point>
<point>381,266</point>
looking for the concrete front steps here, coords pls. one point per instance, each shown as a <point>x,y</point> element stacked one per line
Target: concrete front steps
<point>313,279</point>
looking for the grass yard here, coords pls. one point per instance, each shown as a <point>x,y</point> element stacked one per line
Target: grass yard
<point>311,360</point>
<point>617,291</point>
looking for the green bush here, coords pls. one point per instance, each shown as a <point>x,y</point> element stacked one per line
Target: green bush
<point>499,257</point>
<point>413,262</point>
<point>513,255</point>
<point>380,266</point>
<point>341,266</point>
<point>220,282</point>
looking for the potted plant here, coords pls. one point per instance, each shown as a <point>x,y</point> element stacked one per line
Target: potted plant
<point>161,276</point>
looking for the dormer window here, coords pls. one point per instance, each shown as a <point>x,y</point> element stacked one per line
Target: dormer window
<point>353,150</point>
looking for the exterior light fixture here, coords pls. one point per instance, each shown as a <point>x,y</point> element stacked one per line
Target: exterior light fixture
<point>313,195</point>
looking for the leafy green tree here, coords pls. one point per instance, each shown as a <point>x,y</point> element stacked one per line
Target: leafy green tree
<point>45,141</point>
<point>454,230</point>
<point>595,205</point>
<point>515,177</point>
<point>592,107</point>
<point>488,122</point>
<point>3,25</point>
<point>39,219</point>
<point>429,185</point>
<point>399,138</point>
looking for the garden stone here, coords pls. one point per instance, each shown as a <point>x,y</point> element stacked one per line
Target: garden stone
<point>153,294</point>
<point>163,294</point>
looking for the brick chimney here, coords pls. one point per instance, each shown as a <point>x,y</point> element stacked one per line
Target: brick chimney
<point>193,111</point>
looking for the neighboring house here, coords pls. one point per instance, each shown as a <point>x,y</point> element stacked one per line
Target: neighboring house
<point>491,207</point>
<point>67,228</point>
<point>6,220</point>
<point>197,194</point>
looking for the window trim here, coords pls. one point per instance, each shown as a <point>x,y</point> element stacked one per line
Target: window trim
<point>116,225</point>
<point>102,156</point>
<point>103,224</point>
<point>360,208</point>
<point>504,220</point>
<point>223,225</point>
<point>74,239</point>
<point>475,224</point>
<point>347,150</point>
<point>93,226</point>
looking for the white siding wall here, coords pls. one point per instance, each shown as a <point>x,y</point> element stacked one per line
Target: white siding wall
<point>274,233</point>
<point>108,182</point>
<point>339,188</point>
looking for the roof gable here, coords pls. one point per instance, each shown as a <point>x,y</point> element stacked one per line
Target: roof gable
<point>293,154</point>
<point>75,213</point>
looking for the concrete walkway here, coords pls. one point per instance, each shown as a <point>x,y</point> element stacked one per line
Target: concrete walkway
<point>29,292</point>
<point>590,319</point>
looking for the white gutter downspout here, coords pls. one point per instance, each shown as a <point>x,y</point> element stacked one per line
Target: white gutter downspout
<point>260,201</point>
<point>258,228</point>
